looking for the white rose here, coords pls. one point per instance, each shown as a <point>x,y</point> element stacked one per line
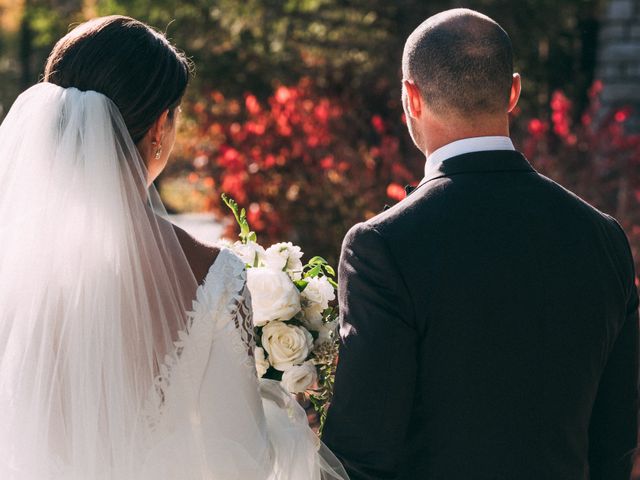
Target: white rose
<point>250,253</point>
<point>319,290</point>
<point>326,333</point>
<point>273,295</point>
<point>224,243</point>
<point>285,257</point>
<point>314,300</point>
<point>262,364</point>
<point>300,377</point>
<point>286,345</point>
<point>311,315</point>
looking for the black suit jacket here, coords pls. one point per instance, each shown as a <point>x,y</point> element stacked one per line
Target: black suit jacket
<point>490,331</point>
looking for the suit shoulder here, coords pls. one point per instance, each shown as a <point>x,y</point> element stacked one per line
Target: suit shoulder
<point>423,200</point>
<point>578,202</point>
<point>607,224</point>
<point>622,245</point>
<point>363,233</point>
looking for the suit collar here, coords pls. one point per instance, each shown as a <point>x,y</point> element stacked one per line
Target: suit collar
<point>478,162</point>
<point>474,162</point>
<point>469,145</point>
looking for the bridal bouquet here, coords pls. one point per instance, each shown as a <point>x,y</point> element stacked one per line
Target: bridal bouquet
<point>295,326</point>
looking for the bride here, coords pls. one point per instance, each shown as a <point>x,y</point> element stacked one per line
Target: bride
<point>125,345</point>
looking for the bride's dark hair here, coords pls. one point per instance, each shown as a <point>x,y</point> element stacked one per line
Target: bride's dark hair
<point>126,60</point>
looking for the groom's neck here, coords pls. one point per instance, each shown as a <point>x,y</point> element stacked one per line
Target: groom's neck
<point>438,133</point>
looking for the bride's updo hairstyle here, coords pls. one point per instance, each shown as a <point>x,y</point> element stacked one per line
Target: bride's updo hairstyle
<point>125,60</point>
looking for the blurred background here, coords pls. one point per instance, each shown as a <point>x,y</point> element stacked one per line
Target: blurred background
<point>294,109</point>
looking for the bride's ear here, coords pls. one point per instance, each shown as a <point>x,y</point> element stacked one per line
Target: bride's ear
<point>154,136</point>
<point>150,147</point>
<point>159,127</point>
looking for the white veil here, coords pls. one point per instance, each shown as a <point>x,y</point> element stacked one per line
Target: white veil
<point>93,288</point>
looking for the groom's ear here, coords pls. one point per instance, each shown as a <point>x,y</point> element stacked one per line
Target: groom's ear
<point>516,87</point>
<point>414,104</point>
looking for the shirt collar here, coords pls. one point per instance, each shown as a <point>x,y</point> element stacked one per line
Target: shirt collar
<point>468,145</point>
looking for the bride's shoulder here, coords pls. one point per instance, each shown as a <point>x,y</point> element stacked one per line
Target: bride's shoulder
<point>208,261</point>
<point>201,257</point>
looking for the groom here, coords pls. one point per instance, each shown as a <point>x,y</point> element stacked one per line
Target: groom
<point>489,320</point>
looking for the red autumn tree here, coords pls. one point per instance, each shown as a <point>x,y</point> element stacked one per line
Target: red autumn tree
<point>306,166</point>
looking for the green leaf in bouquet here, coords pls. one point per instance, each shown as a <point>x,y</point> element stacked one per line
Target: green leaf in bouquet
<point>314,271</point>
<point>317,261</point>
<point>329,269</point>
<point>319,266</point>
<point>321,397</point>
<point>273,374</point>
<point>258,336</point>
<point>294,322</point>
<point>246,235</point>
<point>301,285</point>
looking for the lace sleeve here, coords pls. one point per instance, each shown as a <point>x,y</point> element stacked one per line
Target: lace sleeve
<point>221,314</point>
<point>242,315</point>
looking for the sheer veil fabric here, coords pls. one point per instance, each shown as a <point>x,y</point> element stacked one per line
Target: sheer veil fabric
<point>99,310</point>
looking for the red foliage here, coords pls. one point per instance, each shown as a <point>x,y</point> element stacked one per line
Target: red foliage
<point>378,124</point>
<point>596,158</point>
<point>537,128</point>
<point>395,192</point>
<point>306,165</point>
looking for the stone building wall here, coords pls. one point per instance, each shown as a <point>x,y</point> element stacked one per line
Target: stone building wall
<point>618,63</point>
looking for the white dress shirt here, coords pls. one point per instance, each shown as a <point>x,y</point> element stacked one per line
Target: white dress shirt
<point>467,145</point>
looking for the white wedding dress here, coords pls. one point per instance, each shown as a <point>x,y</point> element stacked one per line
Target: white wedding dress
<point>250,429</point>
<point>114,363</point>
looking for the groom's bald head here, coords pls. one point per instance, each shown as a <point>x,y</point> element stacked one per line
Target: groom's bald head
<point>462,63</point>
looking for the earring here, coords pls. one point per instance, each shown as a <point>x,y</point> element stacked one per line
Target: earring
<point>158,150</point>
